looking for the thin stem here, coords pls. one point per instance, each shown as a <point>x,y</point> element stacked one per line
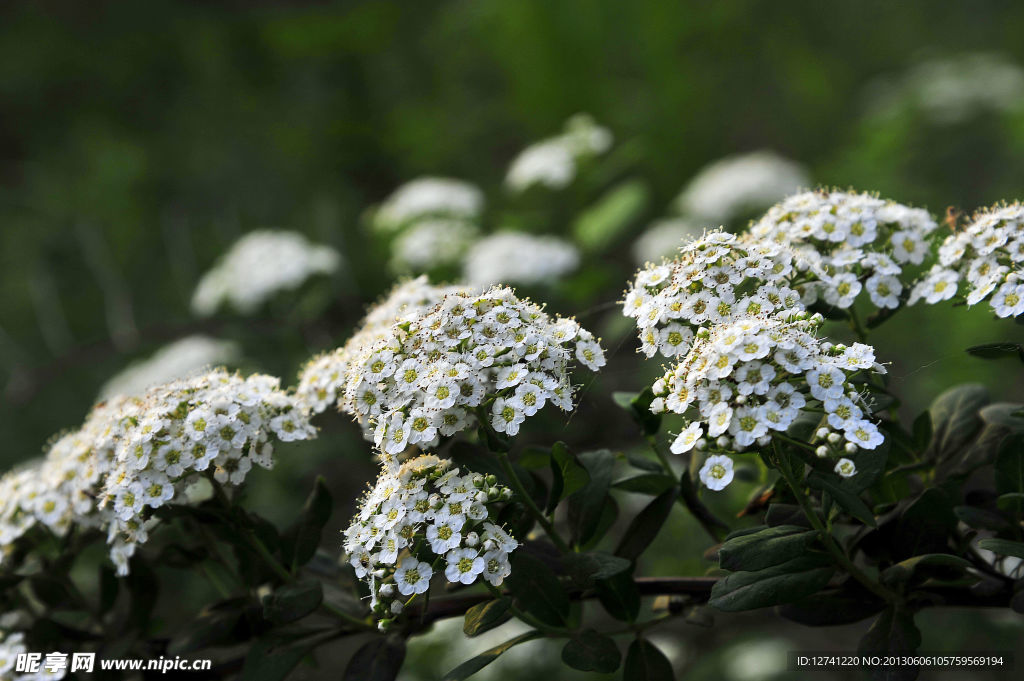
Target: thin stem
<point>688,497</point>
<point>830,543</point>
<point>855,323</point>
<point>527,501</point>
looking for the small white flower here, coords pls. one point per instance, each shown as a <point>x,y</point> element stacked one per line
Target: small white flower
<point>717,472</point>
<point>685,441</point>
<point>845,468</point>
<point>413,577</point>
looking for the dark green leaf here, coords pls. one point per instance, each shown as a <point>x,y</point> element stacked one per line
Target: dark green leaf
<point>785,514</point>
<point>268,660</point>
<point>569,475</point>
<point>767,547</point>
<point>778,584</point>
<point>305,535</point>
<point>619,596</point>
<point>645,526</point>
<point>997,351</point>
<point>1010,465</point>
<point>485,616</point>
<point>1012,503</point>
<point>980,518</point>
<point>1003,547</point>
<point>847,500</point>
<point>211,628</point>
<point>144,588</point>
<point>534,458</point>
<point>893,633</point>
<point>652,484</point>
<point>639,407</point>
<point>537,590</point>
<point>293,601</point>
<point>590,651</point>
<point>644,662</point>
<point>108,587</point>
<point>644,464</point>
<point>587,504</point>
<point>925,524</point>
<point>955,420</point>
<point>922,431</point>
<point>832,607</point>
<point>901,572</point>
<point>585,568</point>
<point>378,660</point>
<point>53,592</point>
<point>472,666</point>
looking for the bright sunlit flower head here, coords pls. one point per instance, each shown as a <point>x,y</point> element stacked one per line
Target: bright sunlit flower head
<point>259,265</point>
<point>492,356</point>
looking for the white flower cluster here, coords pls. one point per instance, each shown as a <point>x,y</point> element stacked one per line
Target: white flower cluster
<point>552,163</point>
<point>432,376</point>
<point>322,380</point>
<point>259,265</point>
<point>713,280</point>
<point>432,243</point>
<point>740,185</point>
<point>175,360</point>
<point>518,258</point>
<point>989,255</point>
<point>421,518</point>
<point>953,89</point>
<point>429,197</point>
<point>850,243</point>
<point>60,489</point>
<point>743,380</point>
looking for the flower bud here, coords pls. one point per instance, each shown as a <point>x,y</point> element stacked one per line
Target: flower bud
<point>850,448</point>
<point>482,497</point>
<point>723,442</point>
<point>702,445</point>
<point>821,451</point>
<point>478,481</point>
<point>472,539</point>
<point>821,433</point>
<point>396,607</point>
<point>492,480</point>
<point>387,590</point>
<point>835,438</point>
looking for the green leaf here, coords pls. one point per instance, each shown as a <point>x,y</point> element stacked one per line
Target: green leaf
<point>1003,547</point>
<point>639,407</point>
<point>485,616</point>
<point>778,584</point>
<point>847,500</point>
<point>537,590</point>
<point>588,503</point>
<point>980,518</point>
<point>590,651</point>
<point>585,568</point>
<point>53,592</point>
<point>785,514</point>
<point>1010,465</point>
<point>644,662</point>
<point>619,596</point>
<point>378,660</point>
<point>764,548</point>
<point>269,660</point>
<point>892,633</point>
<point>644,463</point>
<point>305,534</point>
<point>997,351</point>
<point>652,484</point>
<point>955,420</point>
<point>213,627</point>
<point>646,525</point>
<point>1012,503</point>
<point>925,524</point>
<point>293,601</point>
<point>922,431</point>
<point>832,607</point>
<point>568,474</point>
<point>472,666</point>
<point>602,223</point>
<point>902,572</point>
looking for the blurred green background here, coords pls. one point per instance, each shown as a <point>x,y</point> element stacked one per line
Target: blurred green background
<point>139,140</point>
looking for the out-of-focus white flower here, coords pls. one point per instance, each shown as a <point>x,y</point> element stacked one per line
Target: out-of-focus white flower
<point>663,238</point>
<point>175,360</point>
<point>432,243</point>
<point>759,660</point>
<point>438,197</point>
<point>953,89</point>
<point>740,184</point>
<point>518,258</point>
<point>259,265</point>
<point>552,162</point>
